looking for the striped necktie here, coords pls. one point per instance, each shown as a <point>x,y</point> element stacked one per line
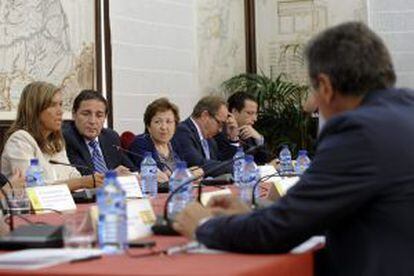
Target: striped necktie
<point>97,158</point>
<point>206,148</point>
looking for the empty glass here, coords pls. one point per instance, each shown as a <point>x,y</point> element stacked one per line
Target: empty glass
<point>78,231</point>
<point>18,201</point>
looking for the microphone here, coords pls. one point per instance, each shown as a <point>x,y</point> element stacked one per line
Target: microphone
<point>163,225</point>
<point>85,195</point>
<point>54,162</point>
<point>263,178</point>
<point>119,148</point>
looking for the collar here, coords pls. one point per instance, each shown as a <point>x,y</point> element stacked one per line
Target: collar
<point>87,141</point>
<point>200,135</point>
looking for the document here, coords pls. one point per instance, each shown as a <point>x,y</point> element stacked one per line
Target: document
<point>31,259</point>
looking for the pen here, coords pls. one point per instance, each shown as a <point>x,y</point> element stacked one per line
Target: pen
<point>86,258</point>
<point>183,248</point>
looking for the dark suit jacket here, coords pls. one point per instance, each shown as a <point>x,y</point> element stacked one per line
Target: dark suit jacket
<point>78,152</point>
<point>227,150</point>
<point>188,146</point>
<point>359,189</point>
<point>143,143</point>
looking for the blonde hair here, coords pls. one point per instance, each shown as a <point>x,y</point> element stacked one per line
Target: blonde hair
<point>36,97</point>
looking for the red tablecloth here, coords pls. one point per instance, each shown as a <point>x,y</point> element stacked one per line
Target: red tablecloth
<point>184,264</point>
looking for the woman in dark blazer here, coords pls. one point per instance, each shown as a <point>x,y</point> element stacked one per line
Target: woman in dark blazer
<point>161,118</point>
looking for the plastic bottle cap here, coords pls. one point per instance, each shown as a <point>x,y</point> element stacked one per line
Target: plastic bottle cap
<point>248,158</point>
<point>148,154</point>
<point>303,152</point>
<point>110,174</point>
<point>34,162</point>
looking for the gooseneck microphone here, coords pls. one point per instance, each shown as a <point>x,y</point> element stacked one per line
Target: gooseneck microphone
<point>163,225</point>
<point>257,183</point>
<point>54,162</point>
<point>119,148</point>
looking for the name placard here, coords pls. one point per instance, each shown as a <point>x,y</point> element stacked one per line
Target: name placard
<point>206,196</point>
<point>130,185</point>
<point>140,218</point>
<point>52,197</point>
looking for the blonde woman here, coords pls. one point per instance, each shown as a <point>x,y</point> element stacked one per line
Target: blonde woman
<point>36,133</point>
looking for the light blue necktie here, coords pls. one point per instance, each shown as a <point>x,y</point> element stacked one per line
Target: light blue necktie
<point>97,158</point>
<point>206,148</point>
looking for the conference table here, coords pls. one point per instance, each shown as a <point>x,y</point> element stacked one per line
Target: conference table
<point>151,262</point>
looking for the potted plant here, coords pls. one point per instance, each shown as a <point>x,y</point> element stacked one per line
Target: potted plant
<point>281,118</point>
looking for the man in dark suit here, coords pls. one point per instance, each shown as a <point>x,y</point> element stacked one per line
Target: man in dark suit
<point>243,107</point>
<point>88,143</point>
<point>359,189</point>
<point>193,139</point>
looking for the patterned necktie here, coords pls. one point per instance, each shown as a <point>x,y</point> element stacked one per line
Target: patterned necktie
<point>206,148</point>
<point>97,158</point>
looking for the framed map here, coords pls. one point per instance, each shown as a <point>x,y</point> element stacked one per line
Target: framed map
<point>47,40</point>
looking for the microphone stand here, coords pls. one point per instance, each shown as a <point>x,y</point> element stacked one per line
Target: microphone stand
<point>119,148</point>
<point>54,162</point>
<point>87,195</point>
<point>264,178</point>
<point>163,226</point>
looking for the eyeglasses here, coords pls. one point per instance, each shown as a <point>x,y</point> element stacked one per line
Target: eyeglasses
<point>219,123</point>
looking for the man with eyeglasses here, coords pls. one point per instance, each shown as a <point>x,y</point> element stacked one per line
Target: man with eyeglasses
<point>88,143</point>
<point>240,132</point>
<point>194,140</point>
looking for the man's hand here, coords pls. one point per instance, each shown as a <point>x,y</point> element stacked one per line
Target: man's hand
<point>187,221</point>
<point>247,131</point>
<point>121,170</point>
<point>227,205</point>
<point>197,171</point>
<point>232,128</point>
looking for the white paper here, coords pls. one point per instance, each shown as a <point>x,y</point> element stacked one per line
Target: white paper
<point>53,197</point>
<point>130,185</point>
<point>140,218</point>
<point>31,259</point>
<point>206,196</point>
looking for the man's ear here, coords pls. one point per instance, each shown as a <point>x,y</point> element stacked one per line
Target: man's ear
<point>325,88</point>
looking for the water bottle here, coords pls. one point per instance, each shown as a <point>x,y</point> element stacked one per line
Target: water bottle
<point>149,184</point>
<point>249,178</point>
<point>285,158</point>
<point>178,202</point>
<point>112,222</point>
<point>34,174</point>
<point>302,162</point>
<point>238,163</point>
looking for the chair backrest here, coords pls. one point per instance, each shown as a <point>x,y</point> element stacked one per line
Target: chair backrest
<point>126,139</point>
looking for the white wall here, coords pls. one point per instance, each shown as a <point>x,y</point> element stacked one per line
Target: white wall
<point>180,49</point>
<point>394,22</point>
<point>153,54</point>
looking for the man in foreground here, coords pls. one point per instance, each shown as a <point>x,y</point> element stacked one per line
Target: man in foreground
<point>359,189</point>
